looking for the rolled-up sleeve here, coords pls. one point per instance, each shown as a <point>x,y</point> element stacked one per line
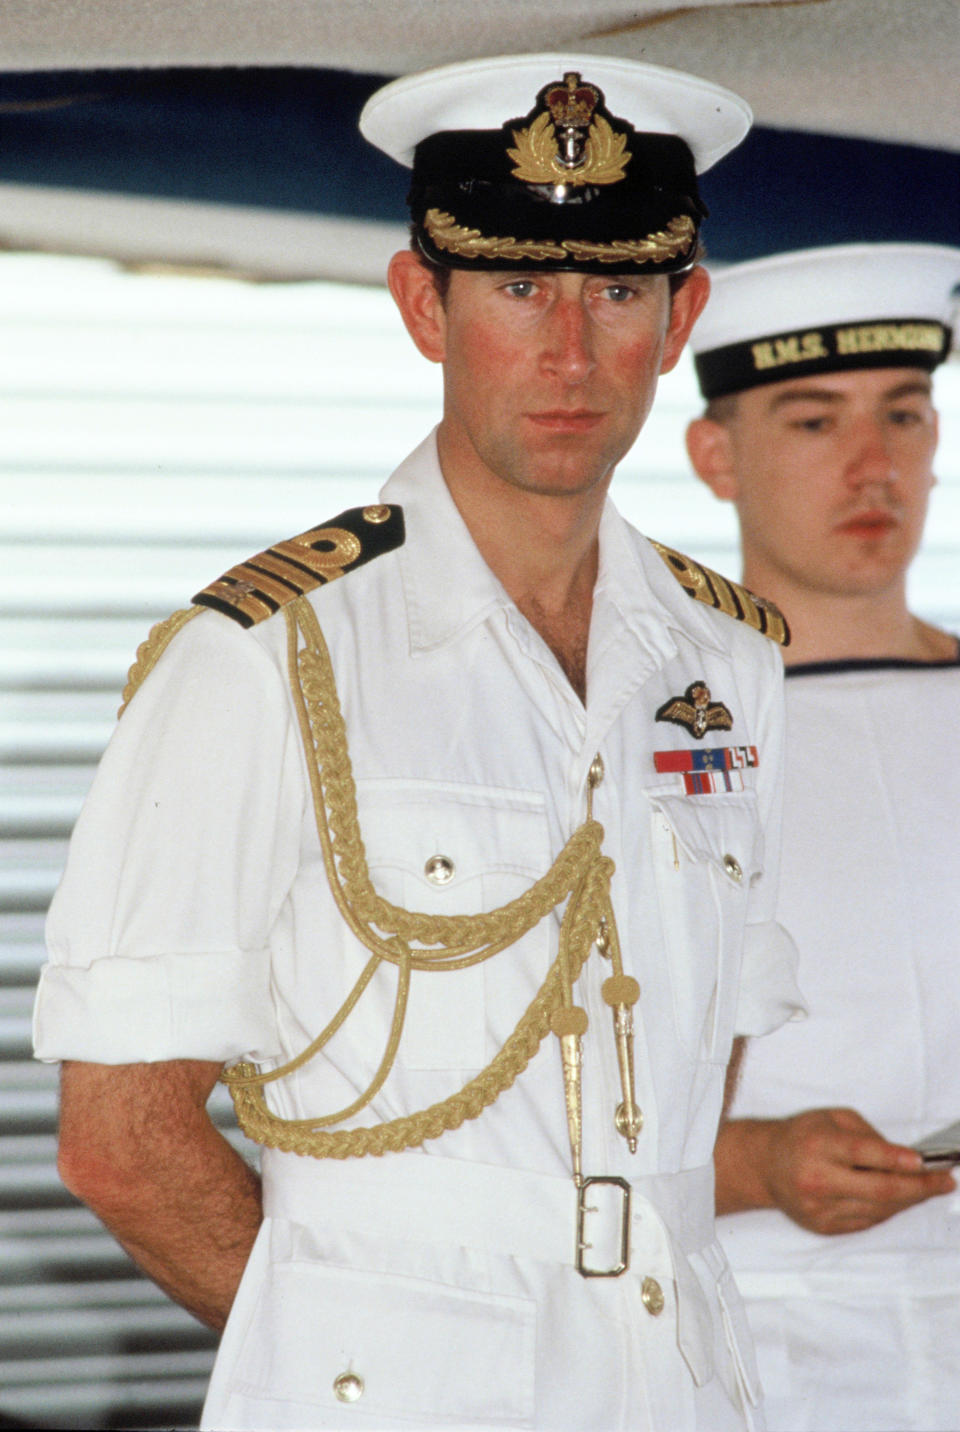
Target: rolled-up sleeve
<point>769,992</point>
<point>159,935</point>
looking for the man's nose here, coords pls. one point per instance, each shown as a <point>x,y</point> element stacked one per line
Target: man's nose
<point>568,347</point>
<point>872,458</point>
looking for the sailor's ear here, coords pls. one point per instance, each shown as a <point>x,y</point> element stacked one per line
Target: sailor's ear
<point>710,450</point>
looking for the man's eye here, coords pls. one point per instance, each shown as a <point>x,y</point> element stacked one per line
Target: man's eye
<point>521,288</point>
<point>810,425</point>
<point>904,417</point>
<point>618,292</point>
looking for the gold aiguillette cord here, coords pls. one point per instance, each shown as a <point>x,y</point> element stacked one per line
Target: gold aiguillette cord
<point>569,1024</point>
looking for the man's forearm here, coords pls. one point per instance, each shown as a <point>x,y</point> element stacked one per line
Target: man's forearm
<point>739,1158</point>
<point>138,1146</point>
<point>194,1240</point>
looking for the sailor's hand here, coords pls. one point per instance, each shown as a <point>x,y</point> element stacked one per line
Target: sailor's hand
<point>832,1172</point>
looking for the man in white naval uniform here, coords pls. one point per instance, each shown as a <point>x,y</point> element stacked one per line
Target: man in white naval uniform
<point>543,714</point>
<point>821,428</point>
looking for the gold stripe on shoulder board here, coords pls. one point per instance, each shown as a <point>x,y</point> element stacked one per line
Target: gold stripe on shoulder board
<point>716,591</point>
<point>257,588</point>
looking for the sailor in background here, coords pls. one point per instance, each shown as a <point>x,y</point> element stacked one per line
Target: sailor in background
<point>449,827</point>
<point>820,427</point>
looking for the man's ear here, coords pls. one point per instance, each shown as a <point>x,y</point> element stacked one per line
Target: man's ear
<point>710,449</point>
<point>420,305</point>
<point>686,305</point>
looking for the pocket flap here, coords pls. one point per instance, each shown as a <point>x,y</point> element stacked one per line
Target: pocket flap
<point>409,1347</point>
<point>713,828</point>
<point>475,831</point>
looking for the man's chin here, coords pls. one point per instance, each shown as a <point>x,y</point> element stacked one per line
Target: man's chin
<point>569,488</point>
<point>564,471</point>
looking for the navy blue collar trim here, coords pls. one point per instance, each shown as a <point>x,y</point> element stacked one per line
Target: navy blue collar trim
<point>869,663</point>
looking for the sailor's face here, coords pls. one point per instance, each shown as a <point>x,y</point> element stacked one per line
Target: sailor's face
<point>834,474</point>
<point>548,377</point>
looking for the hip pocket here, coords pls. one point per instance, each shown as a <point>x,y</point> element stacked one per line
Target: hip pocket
<point>391,1347</point>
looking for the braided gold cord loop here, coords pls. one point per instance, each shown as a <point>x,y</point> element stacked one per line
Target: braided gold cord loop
<point>411,1130</point>
<point>150,651</point>
<point>412,940</point>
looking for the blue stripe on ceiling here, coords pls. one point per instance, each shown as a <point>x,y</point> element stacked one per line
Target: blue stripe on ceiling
<point>287,139</point>
<point>786,189</point>
<point>276,139</point>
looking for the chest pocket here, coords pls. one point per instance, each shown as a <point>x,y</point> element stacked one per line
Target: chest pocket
<point>706,854</point>
<point>450,849</point>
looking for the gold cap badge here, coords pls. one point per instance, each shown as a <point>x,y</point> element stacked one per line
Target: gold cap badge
<point>568,142</point>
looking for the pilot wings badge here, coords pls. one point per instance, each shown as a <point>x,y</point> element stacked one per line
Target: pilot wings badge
<point>696,711</point>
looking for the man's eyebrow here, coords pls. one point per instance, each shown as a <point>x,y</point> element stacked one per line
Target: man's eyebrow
<point>806,395</point>
<point>914,387</point>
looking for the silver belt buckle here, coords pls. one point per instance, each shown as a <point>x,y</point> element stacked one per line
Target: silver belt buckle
<point>618,1263</point>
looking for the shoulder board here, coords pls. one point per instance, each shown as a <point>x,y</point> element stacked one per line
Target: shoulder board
<point>255,589</point>
<point>708,586</point>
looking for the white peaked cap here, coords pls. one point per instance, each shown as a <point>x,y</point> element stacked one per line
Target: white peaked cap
<point>827,309</point>
<point>485,94</point>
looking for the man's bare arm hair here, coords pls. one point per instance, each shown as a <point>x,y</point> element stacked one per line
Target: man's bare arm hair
<point>138,1146</point>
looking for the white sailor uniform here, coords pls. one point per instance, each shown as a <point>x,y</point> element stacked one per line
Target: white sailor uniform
<point>437,1287</point>
<point>861,1331</point>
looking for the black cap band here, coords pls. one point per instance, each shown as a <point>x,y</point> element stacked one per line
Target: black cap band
<point>829,348</point>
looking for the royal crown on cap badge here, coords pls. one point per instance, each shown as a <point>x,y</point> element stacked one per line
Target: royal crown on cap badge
<point>571,107</point>
<point>568,141</point>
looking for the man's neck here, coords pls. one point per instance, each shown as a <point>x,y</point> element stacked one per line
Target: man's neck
<point>544,550</point>
<point>827,627</point>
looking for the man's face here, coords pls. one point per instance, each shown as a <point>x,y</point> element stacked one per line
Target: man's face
<point>548,378</point>
<point>832,477</point>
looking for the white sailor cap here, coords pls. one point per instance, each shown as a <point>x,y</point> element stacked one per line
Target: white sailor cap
<point>559,161</point>
<point>849,306</point>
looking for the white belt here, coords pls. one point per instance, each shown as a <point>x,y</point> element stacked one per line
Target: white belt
<point>501,1210</point>
<point>483,1206</point>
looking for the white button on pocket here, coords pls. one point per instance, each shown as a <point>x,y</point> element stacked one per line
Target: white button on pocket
<point>733,868</point>
<point>348,1387</point>
<point>439,869</point>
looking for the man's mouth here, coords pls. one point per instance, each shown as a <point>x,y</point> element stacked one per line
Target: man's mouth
<point>571,420</point>
<point>868,524</point>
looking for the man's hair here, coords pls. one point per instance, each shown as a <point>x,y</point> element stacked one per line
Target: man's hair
<point>722,410</point>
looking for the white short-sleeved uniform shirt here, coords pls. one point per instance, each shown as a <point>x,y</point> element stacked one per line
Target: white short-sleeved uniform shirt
<point>195,920</point>
<point>861,1330</point>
